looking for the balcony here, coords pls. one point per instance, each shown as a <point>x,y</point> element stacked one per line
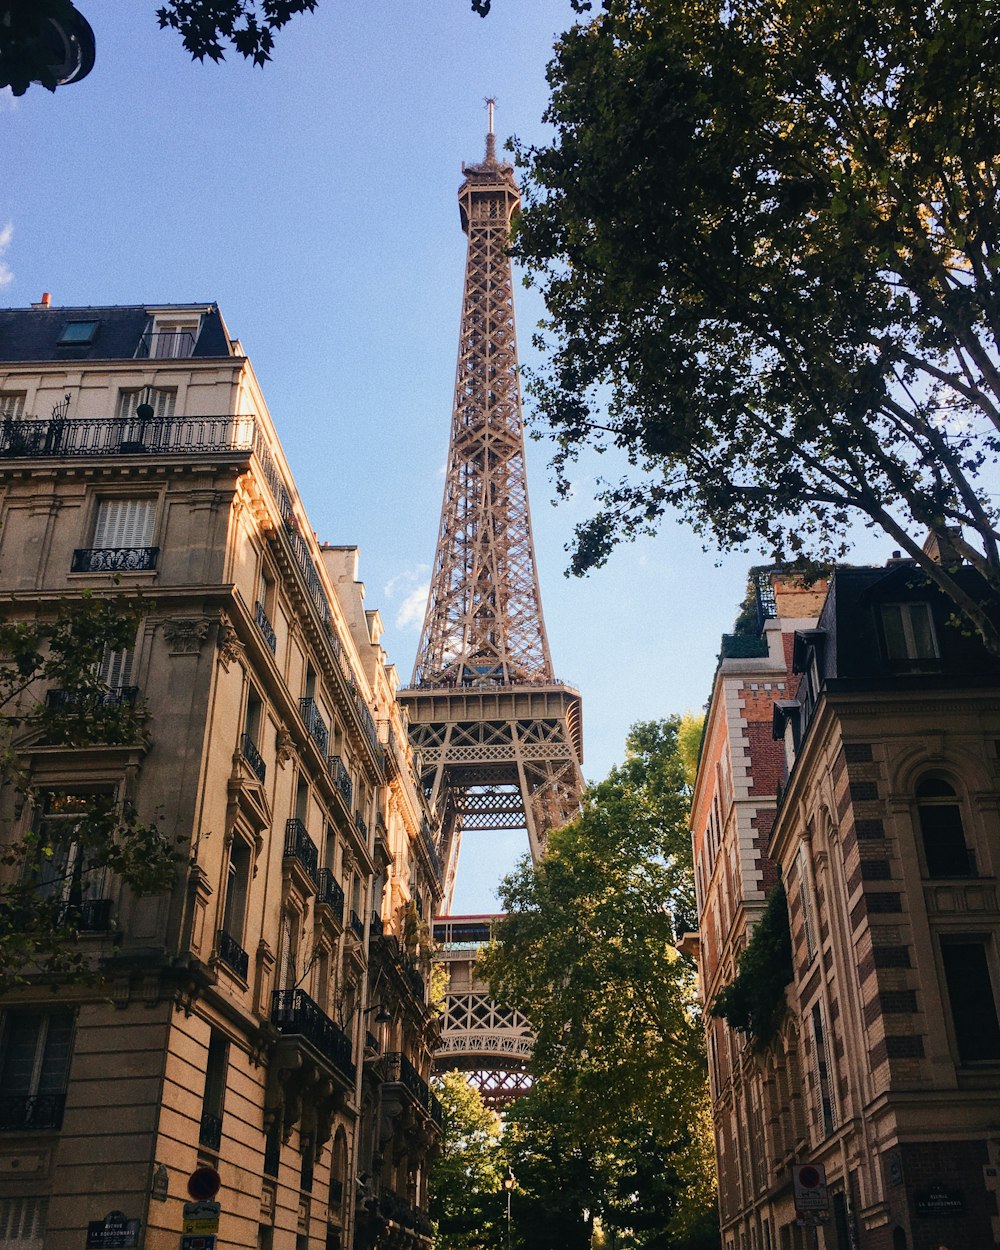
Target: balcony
<point>210,1131</point>
<point>401,1071</point>
<point>300,847</point>
<point>315,724</point>
<point>357,926</point>
<point>113,696</point>
<point>294,1013</point>
<point>95,915</point>
<point>232,954</point>
<point>330,893</point>
<point>25,1112</point>
<point>166,345</point>
<point>248,749</point>
<point>340,778</point>
<point>377,928</point>
<point>114,559</point>
<point>399,1212</point>
<point>952,860</point>
<point>362,827</point>
<point>265,627</point>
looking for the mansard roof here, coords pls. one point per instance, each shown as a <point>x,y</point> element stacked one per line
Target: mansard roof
<point>39,333</point>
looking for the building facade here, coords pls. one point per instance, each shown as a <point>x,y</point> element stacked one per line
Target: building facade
<point>236,1023</point>
<point>883,1069</point>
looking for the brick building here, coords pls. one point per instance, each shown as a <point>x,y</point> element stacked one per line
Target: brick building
<point>884,1066</point>
<point>268,1016</point>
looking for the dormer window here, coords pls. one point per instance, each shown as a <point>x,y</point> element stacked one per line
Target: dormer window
<point>78,333</point>
<point>908,632</point>
<point>170,338</point>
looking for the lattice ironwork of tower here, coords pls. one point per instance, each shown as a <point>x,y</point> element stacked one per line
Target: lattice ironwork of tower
<point>499,737</point>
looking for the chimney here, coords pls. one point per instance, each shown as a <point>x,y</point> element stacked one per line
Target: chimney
<point>44,302</point>
<point>940,545</point>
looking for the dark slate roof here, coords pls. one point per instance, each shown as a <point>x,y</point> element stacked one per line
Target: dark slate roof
<point>34,333</point>
<point>853,650</point>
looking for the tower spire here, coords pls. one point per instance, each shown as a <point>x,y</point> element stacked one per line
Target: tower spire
<point>491,142</point>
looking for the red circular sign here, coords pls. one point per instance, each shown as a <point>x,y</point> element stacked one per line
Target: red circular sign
<point>204,1183</point>
<point>808,1177</point>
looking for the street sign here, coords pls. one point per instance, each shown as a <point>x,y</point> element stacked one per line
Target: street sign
<point>115,1232</point>
<point>201,1217</point>
<point>198,1243</point>
<point>204,1182</point>
<point>809,1183</point>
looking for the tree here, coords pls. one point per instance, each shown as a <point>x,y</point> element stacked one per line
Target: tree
<point>32,32</point>
<point>465,1179</point>
<point>50,871</point>
<point>587,953</point>
<point>767,234</point>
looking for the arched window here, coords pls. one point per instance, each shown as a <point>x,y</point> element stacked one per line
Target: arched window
<point>940,816</point>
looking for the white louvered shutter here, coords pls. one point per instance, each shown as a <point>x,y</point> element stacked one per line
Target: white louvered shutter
<point>22,1223</point>
<point>125,523</point>
<point>115,668</point>
<point>162,402</point>
<point>11,405</point>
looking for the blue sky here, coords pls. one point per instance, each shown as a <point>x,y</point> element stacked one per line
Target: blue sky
<point>316,202</point>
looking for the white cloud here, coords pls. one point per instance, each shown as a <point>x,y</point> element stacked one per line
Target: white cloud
<point>411,610</point>
<point>6,273</point>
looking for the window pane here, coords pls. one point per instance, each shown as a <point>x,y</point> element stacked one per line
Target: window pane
<point>78,332</point>
<point>892,626</point>
<point>943,837</point>
<point>970,993</point>
<point>54,1074</point>
<point>20,1042</point>
<point>922,631</point>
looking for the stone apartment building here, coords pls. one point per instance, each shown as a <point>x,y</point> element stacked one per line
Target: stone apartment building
<point>884,1066</point>
<point>269,1017</point>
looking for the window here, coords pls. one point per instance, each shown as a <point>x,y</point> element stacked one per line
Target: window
<point>942,834</point>
<point>124,523</point>
<point>805,895</point>
<point>35,1049</point>
<point>162,402</point>
<point>251,735</point>
<point>237,888</point>
<point>11,405</point>
<point>77,333</point>
<point>824,1088</point>
<point>22,1223</point>
<point>971,998</point>
<point>170,339</point>
<point>64,873</point>
<point>908,631</point>
<point>210,1133</point>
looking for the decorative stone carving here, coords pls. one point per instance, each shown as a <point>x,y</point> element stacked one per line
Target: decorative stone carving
<point>230,647</point>
<point>283,745</point>
<point>185,635</point>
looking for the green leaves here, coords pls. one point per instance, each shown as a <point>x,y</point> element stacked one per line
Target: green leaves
<point>74,841</point>
<point>766,234</point>
<point>587,953</point>
<point>755,1000</point>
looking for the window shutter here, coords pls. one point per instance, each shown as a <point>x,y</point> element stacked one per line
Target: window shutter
<point>11,405</point>
<point>162,401</point>
<point>124,523</point>
<point>115,668</point>
<point>22,1223</point>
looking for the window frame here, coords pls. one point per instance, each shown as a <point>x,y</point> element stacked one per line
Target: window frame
<point>986,943</point>
<point>67,339</point>
<point>912,656</point>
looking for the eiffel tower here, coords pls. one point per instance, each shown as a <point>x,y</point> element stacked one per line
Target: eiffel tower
<point>500,739</point>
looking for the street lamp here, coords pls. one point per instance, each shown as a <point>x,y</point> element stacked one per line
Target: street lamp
<point>508,1184</point>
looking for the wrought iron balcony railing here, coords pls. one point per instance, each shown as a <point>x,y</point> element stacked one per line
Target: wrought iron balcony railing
<point>315,724</point>
<point>210,1131</point>
<point>232,954</point>
<point>24,1112</point>
<point>330,892</point>
<point>112,436</point>
<point>377,928</point>
<point>166,344</point>
<point>95,915</point>
<point>248,749</point>
<point>114,559</point>
<point>437,1111</point>
<point>300,846</point>
<point>113,696</point>
<point>265,627</point>
<point>357,926</point>
<point>944,860</point>
<point>293,1012</point>
<point>401,1070</point>
<point>341,778</point>
<point>362,826</point>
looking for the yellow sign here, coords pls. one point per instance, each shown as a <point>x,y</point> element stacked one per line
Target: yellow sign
<point>209,1224</point>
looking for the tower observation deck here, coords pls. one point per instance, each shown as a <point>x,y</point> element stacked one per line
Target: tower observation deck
<point>499,737</point>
